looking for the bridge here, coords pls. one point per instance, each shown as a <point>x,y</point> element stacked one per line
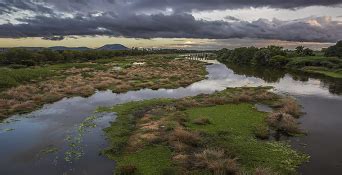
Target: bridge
<point>204,57</point>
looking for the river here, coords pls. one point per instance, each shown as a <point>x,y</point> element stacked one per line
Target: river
<point>37,143</point>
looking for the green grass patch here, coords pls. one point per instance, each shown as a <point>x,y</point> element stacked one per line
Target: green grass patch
<point>317,61</point>
<point>124,109</point>
<point>13,77</point>
<point>324,71</point>
<point>150,160</point>
<point>124,124</point>
<point>239,120</point>
<point>78,66</point>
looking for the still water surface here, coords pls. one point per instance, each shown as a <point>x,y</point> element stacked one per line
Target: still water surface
<point>25,140</point>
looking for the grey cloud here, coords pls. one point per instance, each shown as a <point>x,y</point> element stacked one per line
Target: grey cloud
<point>132,18</point>
<point>10,6</point>
<point>189,5</point>
<point>54,38</point>
<point>322,29</point>
<point>231,18</point>
<point>236,43</point>
<point>125,6</point>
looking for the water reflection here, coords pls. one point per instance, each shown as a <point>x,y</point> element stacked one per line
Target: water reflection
<point>276,75</point>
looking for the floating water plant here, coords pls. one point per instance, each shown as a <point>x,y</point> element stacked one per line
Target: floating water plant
<point>75,151</point>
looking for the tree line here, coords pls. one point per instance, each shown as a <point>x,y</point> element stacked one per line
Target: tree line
<point>279,57</point>
<point>20,57</point>
<point>334,51</point>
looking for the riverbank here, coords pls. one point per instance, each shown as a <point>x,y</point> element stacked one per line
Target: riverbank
<point>218,133</point>
<point>324,71</point>
<point>277,57</point>
<point>27,89</point>
<point>327,66</point>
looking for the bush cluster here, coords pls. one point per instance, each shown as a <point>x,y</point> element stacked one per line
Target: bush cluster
<point>276,56</point>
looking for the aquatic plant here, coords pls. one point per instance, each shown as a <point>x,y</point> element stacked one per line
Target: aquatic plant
<point>75,150</point>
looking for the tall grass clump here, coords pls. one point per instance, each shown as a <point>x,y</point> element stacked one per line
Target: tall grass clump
<point>284,122</point>
<point>185,136</point>
<point>262,132</point>
<point>216,161</point>
<point>290,106</point>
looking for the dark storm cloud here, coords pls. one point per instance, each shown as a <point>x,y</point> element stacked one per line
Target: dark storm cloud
<point>146,19</point>
<point>158,5</point>
<point>188,5</point>
<point>176,26</point>
<point>8,6</point>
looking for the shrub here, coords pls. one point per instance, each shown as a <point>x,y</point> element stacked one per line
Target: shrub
<point>170,125</point>
<point>262,57</point>
<point>261,132</point>
<point>127,170</point>
<point>216,161</point>
<point>17,66</point>
<point>334,51</point>
<point>263,171</point>
<point>279,61</point>
<point>290,106</point>
<point>201,121</point>
<point>179,146</point>
<point>265,96</point>
<point>283,122</point>
<point>186,103</point>
<point>169,171</point>
<point>243,97</point>
<point>216,101</point>
<point>181,159</point>
<point>185,136</point>
<point>180,117</point>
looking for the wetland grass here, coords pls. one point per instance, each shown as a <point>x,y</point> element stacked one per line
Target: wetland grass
<point>225,145</point>
<point>33,87</point>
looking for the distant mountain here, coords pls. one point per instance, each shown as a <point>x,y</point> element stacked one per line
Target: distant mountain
<point>30,48</point>
<point>110,47</point>
<point>113,47</point>
<point>60,48</point>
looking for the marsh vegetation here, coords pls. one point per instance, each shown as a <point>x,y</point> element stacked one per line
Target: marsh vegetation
<point>205,134</point>
<point>221,133</point>
<point>26,89</point>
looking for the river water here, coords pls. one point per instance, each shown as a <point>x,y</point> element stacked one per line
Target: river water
<point>38,143</point>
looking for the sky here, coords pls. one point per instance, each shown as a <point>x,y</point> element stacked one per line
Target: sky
<point>183,24</point>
